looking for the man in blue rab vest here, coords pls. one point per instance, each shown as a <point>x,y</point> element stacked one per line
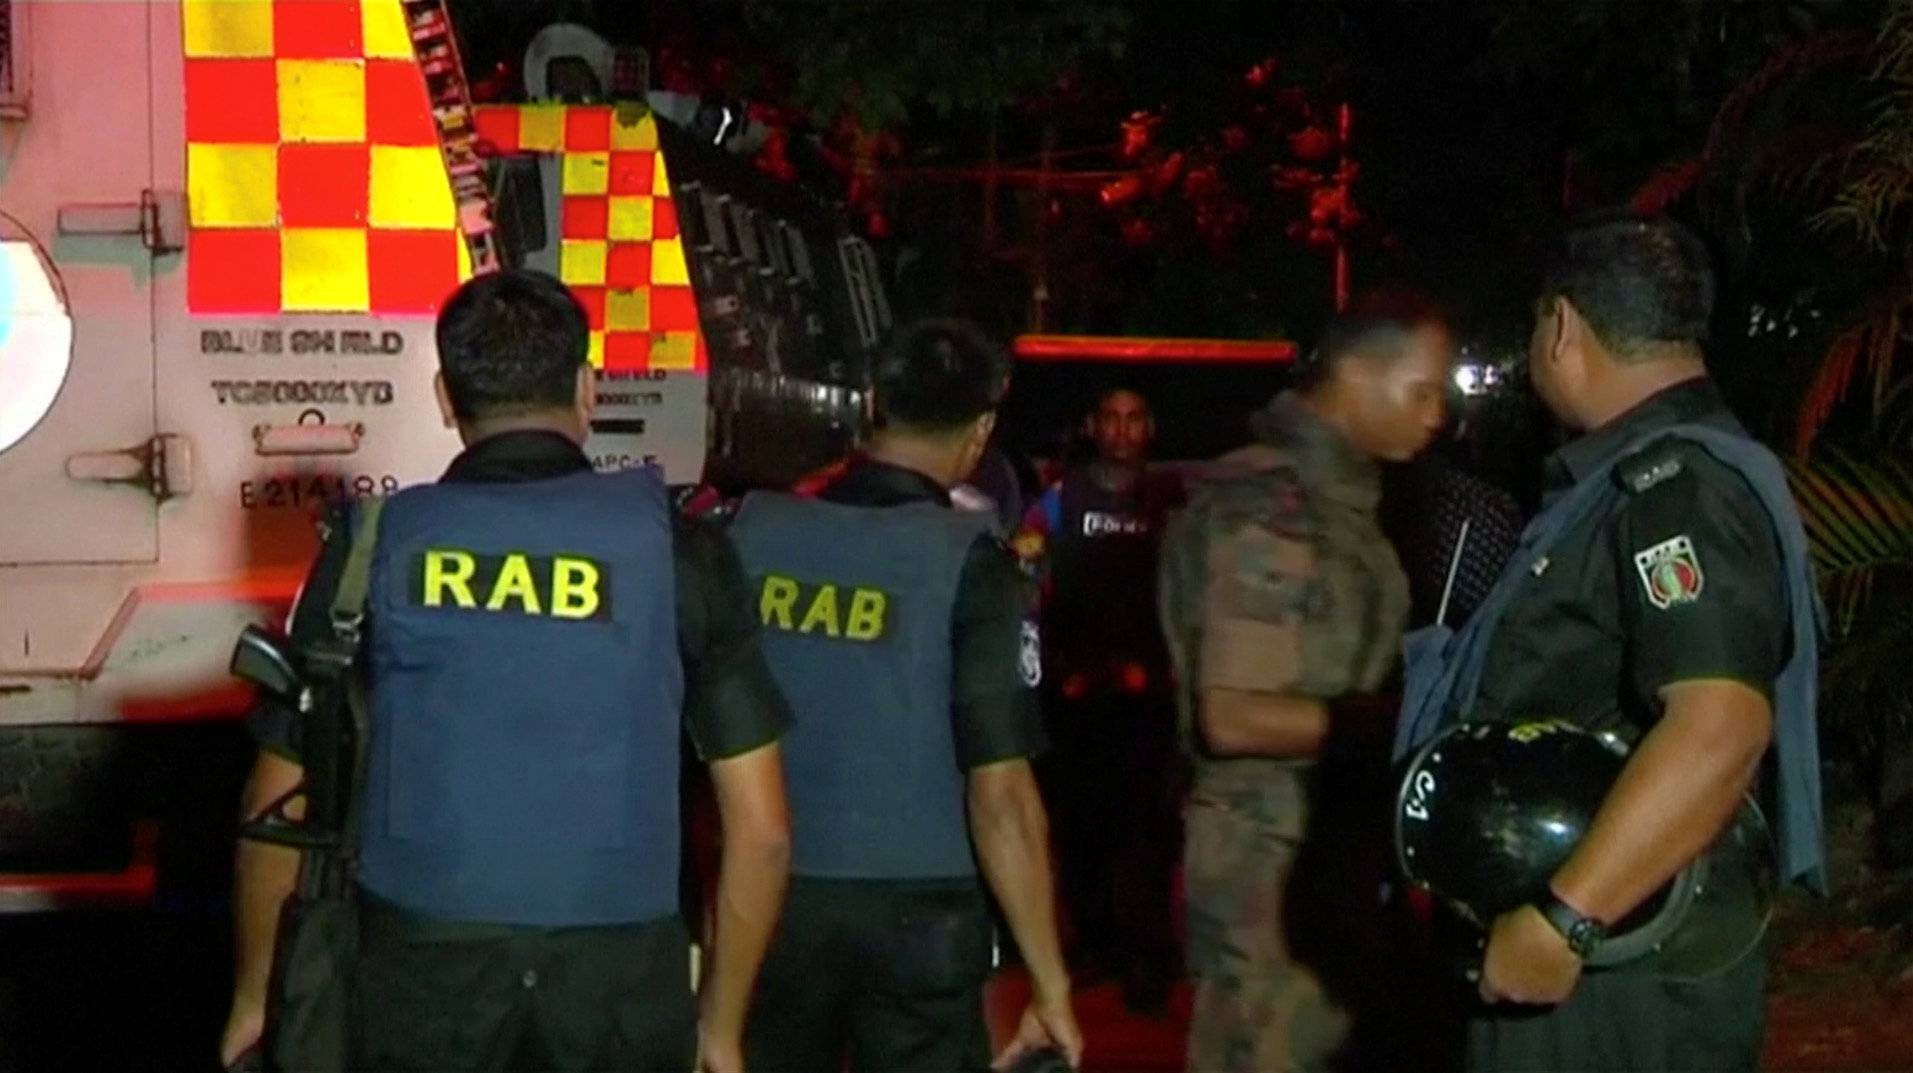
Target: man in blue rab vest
<point>1662,594</point>
<point>539,637</point>
<point>898,627</point>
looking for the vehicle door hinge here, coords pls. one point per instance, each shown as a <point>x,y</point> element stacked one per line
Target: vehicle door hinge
<point>162,465</point>
<point>158,220</point>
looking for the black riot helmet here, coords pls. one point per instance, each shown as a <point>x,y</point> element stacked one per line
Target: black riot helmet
<point>1488,812</point>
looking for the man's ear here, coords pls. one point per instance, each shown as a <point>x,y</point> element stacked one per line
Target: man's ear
<point>1569,327</point>
<point>445,408</point>
<point>980,432</point>
<point>585,391</point>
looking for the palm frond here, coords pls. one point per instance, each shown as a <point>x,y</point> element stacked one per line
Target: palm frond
<point>1829,386</point>
<point>1668,185</point>
<point>1871,342</point>
<point>1879,172</point>
<point>1784,67</point>
<point>1859,520</point>
<point>1731,123</point>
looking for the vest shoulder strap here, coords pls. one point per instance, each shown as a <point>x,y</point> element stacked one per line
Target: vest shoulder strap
<point>348,601</point>
<point>348,614</point>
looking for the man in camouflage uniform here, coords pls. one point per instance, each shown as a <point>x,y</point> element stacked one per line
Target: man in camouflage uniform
<point>1280,598</point>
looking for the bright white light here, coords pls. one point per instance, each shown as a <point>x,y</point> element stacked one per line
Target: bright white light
<point>36,341</point>
<point>1476,379</point>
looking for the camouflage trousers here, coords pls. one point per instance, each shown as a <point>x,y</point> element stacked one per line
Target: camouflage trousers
<point>1256,1007</point>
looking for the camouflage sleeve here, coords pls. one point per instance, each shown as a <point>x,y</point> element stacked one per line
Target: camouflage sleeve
<point>1256,581</point>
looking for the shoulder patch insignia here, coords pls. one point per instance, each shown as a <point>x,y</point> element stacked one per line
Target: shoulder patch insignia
<point>1670,573</point>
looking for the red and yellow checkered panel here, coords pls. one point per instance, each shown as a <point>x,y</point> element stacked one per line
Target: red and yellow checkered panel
<point>314,177</point>
<point>619,245</point>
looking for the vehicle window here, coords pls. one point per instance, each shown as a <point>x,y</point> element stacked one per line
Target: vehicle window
<point>36,335</point>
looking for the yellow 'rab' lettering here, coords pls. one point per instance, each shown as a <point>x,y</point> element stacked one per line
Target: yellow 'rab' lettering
<point>823,610</point>
<point>514,581</point>
<point>569,587</point>
<point>449,571</point>
<point>826,610</point>
<point>574,588</point>
<point>778,601</point>
<point>867,608</point>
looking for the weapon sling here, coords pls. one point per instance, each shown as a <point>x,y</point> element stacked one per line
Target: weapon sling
<point>309,1010</point>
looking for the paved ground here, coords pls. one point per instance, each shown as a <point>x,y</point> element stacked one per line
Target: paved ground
<point>146,991</point>
<point>1830,1012</point>
<point>1118,1041</point>
<point>136,992</point>
<point>113,991</point>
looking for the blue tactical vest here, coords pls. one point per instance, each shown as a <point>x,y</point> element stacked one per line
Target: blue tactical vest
<point>525,703</point>
<point>857,604</point>
<point>1443,667</point>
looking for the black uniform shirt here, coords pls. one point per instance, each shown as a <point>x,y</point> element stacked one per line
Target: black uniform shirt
<point>996,711</point>
<point>731,703</point>
<point>1678,579</point>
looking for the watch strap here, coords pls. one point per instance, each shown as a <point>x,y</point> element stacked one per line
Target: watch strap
<point>1583,933</point>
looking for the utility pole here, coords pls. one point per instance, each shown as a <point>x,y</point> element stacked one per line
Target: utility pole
<point>1343,123</point>
<point>1039,284</point>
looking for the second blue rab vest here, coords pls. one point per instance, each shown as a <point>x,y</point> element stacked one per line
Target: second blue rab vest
<point>525,698</point>
<point>857,604</point>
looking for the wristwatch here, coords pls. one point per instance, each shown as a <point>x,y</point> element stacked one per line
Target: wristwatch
<point>1583,933</point>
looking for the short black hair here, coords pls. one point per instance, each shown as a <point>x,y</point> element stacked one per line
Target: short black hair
<point>1111,389</point>
<point>1383,315</point>
<point>510,343</point>
<point>939,375</point>
<point>1636,280</point>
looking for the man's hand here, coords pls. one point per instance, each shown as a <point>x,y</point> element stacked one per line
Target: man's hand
<point>1528,961</point>
<point>245,1026</point>
<point>1236,722</point>
<point>1049,1021</point>
<point>1012,844</point>
<point>750,893</point>
<point>717,1053</point>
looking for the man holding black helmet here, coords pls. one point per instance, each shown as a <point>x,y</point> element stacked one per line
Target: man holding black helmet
<point>1662,597</point>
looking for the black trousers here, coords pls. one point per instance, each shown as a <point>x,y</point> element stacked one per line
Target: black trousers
<point>1631,1021</point>
<point>457,997</point>
<point>888,974</point>
<point>1109,786</point>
